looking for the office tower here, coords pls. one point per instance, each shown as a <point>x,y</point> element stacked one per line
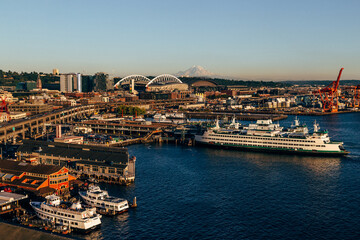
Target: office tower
<point>87,83</point>
<point>66,82</point>
<point>102,82</point>
<point>79,85</point>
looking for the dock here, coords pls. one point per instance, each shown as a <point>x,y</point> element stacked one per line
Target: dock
<point>238,116</point>
<point>16,232</point>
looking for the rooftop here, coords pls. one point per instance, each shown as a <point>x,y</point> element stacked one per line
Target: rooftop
<point>20,167</point>
<point>76,151</point>
<point>6,197</point>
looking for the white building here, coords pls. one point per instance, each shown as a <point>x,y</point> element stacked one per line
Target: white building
<point>66,82</point>
<point>4,117</point>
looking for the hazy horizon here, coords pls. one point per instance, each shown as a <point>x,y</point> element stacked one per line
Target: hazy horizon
<point>251,40</point>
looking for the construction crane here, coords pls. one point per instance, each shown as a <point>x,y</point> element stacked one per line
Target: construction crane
<point>329,95</point>
<point>4,107</point>
<point>357,96</point>
<point>355,91</point>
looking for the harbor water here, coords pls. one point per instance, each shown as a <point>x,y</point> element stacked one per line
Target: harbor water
<point>203,193</point>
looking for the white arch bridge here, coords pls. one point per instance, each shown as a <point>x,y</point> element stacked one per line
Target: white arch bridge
<point>162,79</point>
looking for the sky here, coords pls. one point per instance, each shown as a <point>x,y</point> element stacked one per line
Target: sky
<point>243,39</point>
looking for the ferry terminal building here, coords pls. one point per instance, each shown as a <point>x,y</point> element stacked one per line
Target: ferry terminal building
<point>105,163</point>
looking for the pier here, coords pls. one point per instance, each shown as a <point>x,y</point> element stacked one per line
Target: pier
<point>238,116</point>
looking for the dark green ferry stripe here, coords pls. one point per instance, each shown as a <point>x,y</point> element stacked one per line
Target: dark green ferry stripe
<point>270,148</point>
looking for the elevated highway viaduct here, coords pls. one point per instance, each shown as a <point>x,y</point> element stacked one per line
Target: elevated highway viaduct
<point>34,125</point>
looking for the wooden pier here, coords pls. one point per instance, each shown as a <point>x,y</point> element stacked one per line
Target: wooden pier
<point>238,116</point>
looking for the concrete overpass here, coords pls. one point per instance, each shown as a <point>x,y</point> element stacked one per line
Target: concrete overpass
<point>34,125</point>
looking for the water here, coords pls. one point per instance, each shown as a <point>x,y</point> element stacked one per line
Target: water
<point>203,193</point>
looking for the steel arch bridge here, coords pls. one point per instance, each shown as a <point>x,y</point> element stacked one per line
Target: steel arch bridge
<point>164,78</point>
<point>136,78</point>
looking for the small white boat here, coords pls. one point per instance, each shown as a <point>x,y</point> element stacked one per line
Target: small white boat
<point>72,215</point>
<point>102,201</point>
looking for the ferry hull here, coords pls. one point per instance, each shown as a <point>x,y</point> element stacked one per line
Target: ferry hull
<point>274,150</point>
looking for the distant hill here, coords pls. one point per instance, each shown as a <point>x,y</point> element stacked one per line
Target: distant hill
<point>227,82</point>
<point>11,78</point>
<point>323,82</point>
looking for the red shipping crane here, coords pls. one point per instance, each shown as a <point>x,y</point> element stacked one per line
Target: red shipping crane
<point>355,90</point>
<point>4,108</point>
<point>329,95</point>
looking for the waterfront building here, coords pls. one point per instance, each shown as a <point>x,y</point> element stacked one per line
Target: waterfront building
<point>106,163</point>
<point>40,179</point>
<point>70,139</point>
<point>9,202</point>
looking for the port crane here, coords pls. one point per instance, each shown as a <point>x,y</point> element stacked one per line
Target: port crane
<point>356,95</point>
<point>4,107</point>
<point>329,95</point>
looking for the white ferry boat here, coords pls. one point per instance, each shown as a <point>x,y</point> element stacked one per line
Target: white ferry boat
<point>175,115</point>
<point>73,216</point>
<point>105,203</point>
<point>161,118</point>
<point>270,137</point>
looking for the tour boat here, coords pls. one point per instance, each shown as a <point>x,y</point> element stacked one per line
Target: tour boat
<point>106,204</point>
<point>68,214</point>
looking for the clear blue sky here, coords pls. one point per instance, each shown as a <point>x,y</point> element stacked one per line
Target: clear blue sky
<point>252,39</point>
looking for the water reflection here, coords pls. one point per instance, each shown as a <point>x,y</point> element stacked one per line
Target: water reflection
<point>317,165</point>
<point>110,224</point>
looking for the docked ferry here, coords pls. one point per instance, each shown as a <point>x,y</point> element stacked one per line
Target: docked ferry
<point>267,136</point>
<point>72,215</point>
<point>100,199</point>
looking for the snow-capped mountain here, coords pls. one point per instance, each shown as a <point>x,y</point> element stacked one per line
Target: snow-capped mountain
<point>195,71</point>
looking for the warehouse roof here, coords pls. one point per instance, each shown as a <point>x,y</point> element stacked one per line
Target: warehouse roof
<point>7,166</point>
<point>76,151</point>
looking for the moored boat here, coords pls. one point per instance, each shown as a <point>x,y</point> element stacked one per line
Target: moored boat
<point>72,215</point>
<point>106,204</point>
<point>267,136</point>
